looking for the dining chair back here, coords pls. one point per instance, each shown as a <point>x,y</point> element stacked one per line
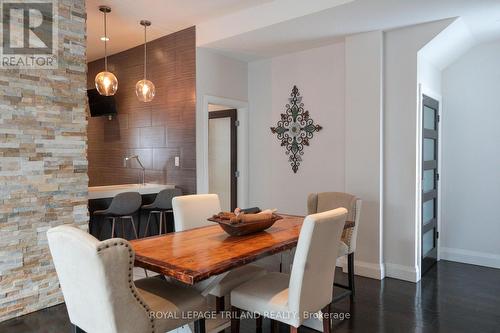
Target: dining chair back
<point>101,295</point>
<point>311,280</point>
<point>320,202</point>
<point>96,282</point>
<point>192,211</point>
<point>323,201</point>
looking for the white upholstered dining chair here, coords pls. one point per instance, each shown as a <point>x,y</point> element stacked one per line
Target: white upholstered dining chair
<point>308,289</point>
<point>323,201</point>
<point>101,296</point>
<point>192,211</point>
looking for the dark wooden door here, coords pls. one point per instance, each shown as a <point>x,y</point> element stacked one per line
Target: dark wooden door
<point>430,181</point>
<point>231,115</point>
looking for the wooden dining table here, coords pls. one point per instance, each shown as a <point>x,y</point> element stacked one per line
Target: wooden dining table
<point>197,254</point>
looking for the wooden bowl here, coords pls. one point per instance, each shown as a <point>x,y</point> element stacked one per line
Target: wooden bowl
<point>245,228</point>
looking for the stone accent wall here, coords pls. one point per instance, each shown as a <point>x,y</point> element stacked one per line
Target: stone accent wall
<point>43,166</point>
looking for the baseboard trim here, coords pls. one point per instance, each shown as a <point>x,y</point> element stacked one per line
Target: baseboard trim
<point>363,268</point>
<point>401,272</point>
<point>470,257</point>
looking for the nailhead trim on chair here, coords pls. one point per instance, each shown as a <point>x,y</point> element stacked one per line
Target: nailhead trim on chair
<point>130,279</point>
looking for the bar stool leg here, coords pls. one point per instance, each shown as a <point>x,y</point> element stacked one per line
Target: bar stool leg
<point>113,219</point>
<point>161,223</point>
<point>133,227</point>
<point>147,226</point>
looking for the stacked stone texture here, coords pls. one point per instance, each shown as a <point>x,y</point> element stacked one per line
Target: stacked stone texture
<point>43,165</point>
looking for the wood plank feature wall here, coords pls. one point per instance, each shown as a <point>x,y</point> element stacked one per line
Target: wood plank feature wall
<point>156,131</point>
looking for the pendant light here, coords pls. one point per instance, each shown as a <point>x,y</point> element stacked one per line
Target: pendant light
<point>145,89</point>
<point>106,82</point>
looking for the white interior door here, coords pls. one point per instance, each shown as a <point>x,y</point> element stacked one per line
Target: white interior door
<point>219,160</point>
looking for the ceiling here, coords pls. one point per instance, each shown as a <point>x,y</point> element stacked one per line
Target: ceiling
<point>288,33</point>
<point>167,16</point>
<point>481,17</point>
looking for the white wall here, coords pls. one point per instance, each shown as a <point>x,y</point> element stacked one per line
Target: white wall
<point>364,92</point>
<point>470,159</point>
<point>363,137</point>
<point>400,147</point>
<point>319,75</point>
<point>227,79</point>
<point>218,75</point>
<point>429,76</point>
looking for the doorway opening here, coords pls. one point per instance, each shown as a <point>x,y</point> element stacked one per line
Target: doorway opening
<point>222,155</point>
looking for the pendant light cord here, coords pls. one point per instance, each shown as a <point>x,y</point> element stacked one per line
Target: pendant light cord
<point>105,44</point>
<point>145,42</point>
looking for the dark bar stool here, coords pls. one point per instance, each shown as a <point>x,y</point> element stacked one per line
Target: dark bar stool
<point>123,206</point>
<point>161,205</point>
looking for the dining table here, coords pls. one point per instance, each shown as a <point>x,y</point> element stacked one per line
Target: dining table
<point>195,255</point>
<point>198,254</point>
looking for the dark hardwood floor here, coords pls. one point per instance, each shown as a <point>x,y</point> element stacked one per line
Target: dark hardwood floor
<point>452,297</point>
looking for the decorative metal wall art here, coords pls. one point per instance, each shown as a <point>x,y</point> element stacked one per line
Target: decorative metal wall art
<point>295,129</point>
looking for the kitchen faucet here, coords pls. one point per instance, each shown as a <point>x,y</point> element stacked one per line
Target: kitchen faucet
<point>136,157</point>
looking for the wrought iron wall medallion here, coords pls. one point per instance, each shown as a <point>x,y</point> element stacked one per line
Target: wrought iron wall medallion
<point>295,129</point>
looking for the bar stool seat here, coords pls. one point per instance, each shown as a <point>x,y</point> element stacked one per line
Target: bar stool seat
<point>161,205</point>
<point>123,206</point>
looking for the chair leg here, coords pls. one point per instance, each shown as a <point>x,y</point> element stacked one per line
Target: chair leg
<point>133,227</point>
<point>274,326</point>
<point>350,273</point>
<point>199,326</point>
<point>113,219</point>
<point>161,223</point>
<point>327,323</point>
<point>77,329</point>
<point>235,320</point>
<point>147,225</point>
<point>258,324</point>
<point>219,304</point>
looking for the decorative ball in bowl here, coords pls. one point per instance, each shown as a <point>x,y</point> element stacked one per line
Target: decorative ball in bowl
<point>244,224</point>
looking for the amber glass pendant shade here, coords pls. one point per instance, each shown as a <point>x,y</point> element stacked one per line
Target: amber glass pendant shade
<point>145,90</point>
<point>106,82</point>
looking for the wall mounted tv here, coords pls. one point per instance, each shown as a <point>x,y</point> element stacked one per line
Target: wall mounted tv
<point>100,105</point>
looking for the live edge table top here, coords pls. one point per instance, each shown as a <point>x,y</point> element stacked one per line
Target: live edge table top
<point>194,255</point>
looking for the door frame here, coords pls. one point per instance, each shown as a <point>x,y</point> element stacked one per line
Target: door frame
<point>202,145</point>
<point>423,90</point>
<point>232,114</point>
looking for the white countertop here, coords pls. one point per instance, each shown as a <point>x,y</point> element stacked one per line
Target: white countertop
<point>100,192</point>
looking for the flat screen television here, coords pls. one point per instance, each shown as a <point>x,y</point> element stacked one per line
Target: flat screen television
<point>100,105</point>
